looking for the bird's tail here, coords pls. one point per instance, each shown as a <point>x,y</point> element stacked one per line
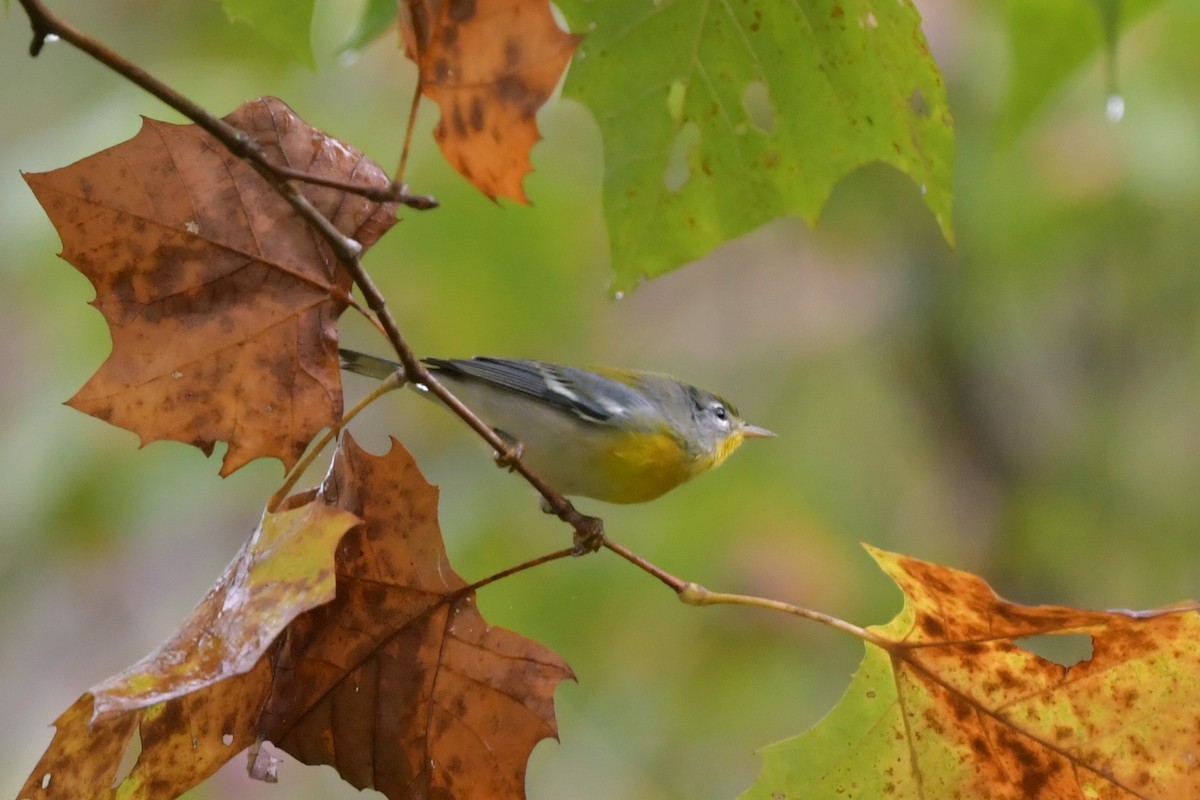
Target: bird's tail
<point>371,366</point>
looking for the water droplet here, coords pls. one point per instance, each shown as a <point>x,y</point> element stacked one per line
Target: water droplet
<point>51,38</point>
<point>619,296</point>
<point>1114,108</point>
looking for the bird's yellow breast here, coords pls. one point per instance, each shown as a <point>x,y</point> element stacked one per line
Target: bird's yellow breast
<point>640,466</point>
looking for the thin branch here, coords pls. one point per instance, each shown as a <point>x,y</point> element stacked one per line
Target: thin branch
<point>530,564</point>
<point>589,533</point>
<point>392,193</point>
<point>47,24</point>
<point>673,583</point>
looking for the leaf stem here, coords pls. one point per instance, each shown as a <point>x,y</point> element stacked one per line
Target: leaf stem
<point>392,382</point>
<point>693,594</point>
<point>408,133</point>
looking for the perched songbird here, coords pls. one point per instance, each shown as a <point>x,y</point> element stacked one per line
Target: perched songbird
<point>611,434</point>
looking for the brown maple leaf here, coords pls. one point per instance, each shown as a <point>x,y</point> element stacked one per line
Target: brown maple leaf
<point>397,681</point>
<point>221,301</point>
<point>489,65</point>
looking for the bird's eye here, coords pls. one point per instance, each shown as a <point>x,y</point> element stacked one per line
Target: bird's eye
<point>719,412</point>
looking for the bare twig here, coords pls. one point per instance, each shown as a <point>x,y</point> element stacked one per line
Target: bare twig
<point>588,530</point>
<point>392,193</point>
<point>504,573</point>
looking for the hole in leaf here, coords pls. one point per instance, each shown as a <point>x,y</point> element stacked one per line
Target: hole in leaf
<point>917,103</point>
<point>46,780</point>
<point>1064,649</point>
<point>675,97</point>
<point>227,739</point>
<point>262,764</point>
<point>678,170</point>
<point>759,109</point>
<point>129,760</point>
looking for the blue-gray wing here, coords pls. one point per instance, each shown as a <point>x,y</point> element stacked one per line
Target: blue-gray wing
<point>585,394</point>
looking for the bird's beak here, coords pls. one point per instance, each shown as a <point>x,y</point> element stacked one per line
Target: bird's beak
<point>755,432</point>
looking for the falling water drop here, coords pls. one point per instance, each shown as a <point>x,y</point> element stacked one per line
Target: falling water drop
<point>1114,108</point>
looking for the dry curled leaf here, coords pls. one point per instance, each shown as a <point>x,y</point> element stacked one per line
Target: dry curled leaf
<point>489,65</point>
<point>397,681</point>
<point>221,301</point>
<point>948,704</point>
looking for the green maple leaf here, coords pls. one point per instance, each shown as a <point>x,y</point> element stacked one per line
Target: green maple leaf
<point>718,118</point>
<point>285,24</point>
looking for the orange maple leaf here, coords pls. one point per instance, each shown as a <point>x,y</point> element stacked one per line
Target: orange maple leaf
<point>948,703</point>
<point>489,65</point>
<point>396,681</point>
<point>221,301</point>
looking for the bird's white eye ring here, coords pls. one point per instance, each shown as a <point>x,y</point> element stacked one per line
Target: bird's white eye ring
<point>719,411</point>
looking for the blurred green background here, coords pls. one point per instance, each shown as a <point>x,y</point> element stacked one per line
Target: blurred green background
<point>1024,406</point>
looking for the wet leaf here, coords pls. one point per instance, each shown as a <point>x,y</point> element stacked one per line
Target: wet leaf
<point>221,301</point>
<point>396,681</point>
<point>197,696</point>
<point>489,65</point>
<point>283,570</point>
<point>718,118</point>
<point>946,704</point>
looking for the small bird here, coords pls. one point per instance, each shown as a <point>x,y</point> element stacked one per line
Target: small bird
<point>615,435</point>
